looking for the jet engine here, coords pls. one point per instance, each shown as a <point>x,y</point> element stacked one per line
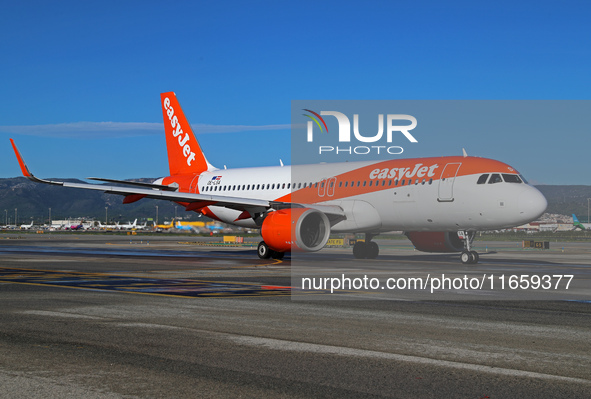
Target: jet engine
<point>436,241</point>
<point>302,229</point>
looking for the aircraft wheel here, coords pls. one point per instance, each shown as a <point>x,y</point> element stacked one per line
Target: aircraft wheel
<point>466,257</point>
<point>360,250</point>
<point>475,256</point>
<point>277,255</point>
<point>263,250</point>
<point>373,250</point>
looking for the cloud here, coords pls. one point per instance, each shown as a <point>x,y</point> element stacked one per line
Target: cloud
<point>93,130</point>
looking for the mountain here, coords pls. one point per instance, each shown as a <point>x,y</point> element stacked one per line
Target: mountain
<point>33,200</point>
<point>567,200</point>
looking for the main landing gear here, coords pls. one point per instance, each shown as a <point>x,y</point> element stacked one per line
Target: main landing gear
<point>265,252</point>
<point>367,249</point>
<point>468,256</point>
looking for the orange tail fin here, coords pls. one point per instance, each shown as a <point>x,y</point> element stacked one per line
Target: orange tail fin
<point>184,153</point>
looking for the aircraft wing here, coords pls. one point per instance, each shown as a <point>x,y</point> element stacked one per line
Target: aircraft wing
<point>139,191</point>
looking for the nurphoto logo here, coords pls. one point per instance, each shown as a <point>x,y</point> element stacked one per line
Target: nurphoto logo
<point>344,132</point>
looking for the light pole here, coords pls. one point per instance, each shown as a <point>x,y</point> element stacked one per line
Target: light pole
<point>588,199</point>
<point>15,218</point>
<point>49,217</point>
<point>106,215</point>
<point>6,211</point>
<point>156,214</point>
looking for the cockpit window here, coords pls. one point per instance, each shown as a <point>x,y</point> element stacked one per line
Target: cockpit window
<point>523,179</point>
<point>495,178</point>
<point>511,178</point>
<point>482,179</point>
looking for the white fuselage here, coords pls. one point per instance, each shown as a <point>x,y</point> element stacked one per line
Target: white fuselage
<point>413,198</point>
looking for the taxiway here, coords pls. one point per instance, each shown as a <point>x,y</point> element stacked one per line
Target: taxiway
<point>114,316</point>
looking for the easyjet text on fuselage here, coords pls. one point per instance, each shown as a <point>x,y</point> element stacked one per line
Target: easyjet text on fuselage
<point>419,170</point>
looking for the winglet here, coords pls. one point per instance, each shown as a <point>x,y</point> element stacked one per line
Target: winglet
<point>25,169</point>
<point>21,162</point>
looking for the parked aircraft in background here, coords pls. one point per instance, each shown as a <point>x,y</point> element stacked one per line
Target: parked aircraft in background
<point>164,226</point>
<point>189,226</point>
<point>108,226</point>
<point>128,226</point>
<point>27,226</point>
<point>579,225</point>
<point>77,227</point>
<point>439,202</point>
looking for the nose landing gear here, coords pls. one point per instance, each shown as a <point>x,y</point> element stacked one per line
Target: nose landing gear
<point>468,256</point>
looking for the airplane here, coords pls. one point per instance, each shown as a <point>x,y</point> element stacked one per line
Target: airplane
<point>26,226</point>
<point>77,227</point>
<point>128,226</point>
<point>189,226</point>
<point>108,226</point>
<point>440,202</point>
<point>582,226</point>
<point>164,226</point>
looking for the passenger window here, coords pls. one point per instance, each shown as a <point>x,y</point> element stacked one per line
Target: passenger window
<point>430,181</point>
<point>364,183</point>
<point>370,183</point>
<point>402,182</point>
<point>511,178</point>
<point>389,182</point>
<point>346,184</point>
<point>482,179</point>
<point>495,178</point>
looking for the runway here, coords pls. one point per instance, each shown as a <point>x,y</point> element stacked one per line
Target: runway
<point>114,316</point>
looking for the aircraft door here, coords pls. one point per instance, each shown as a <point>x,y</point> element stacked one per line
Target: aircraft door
<point>446,182</point>
<point>321,187</point>
<point>332,182</point>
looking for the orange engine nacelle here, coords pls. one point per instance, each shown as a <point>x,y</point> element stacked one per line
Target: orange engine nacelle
<point>295,229</point>
<point>436,241</point>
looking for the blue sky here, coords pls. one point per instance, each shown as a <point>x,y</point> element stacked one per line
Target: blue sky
<point>81,81</point>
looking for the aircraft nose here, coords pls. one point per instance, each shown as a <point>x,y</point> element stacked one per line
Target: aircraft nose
<point>532,204</point>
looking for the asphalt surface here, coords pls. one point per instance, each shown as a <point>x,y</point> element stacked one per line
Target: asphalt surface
<point>114,316</point>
